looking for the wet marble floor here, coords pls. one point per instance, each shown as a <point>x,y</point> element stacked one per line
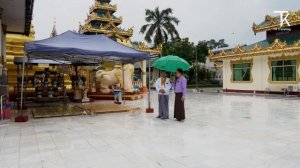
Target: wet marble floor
<point>221,131</point>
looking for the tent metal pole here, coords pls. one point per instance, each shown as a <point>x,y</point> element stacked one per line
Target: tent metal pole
<point>22,85</point>
<point>197,82</point>
<point>124,98</point>
<point>149,109</point>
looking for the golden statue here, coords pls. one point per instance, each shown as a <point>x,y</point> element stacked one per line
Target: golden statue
<point>109,78</point>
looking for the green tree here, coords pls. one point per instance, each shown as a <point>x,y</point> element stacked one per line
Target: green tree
<point>204,46</point>
<point>183,48</point>
<point>213,44</point>
<point>202,51</point>
<point>160,26</point>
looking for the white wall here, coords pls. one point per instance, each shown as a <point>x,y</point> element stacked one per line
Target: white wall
<point>260,73</point>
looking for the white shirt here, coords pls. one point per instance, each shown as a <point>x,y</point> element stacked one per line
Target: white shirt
<point>165,87</point>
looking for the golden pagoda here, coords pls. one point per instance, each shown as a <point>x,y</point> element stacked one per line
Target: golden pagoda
<point>101,20</point>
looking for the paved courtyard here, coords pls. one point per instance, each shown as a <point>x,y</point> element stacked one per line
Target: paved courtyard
<point>221,131</point>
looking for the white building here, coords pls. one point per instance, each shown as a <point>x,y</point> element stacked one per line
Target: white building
<point>269,66</point>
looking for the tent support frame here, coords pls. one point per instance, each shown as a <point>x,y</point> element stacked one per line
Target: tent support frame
<point>22,86</point>
<point>124,98</point>
<point>149,109</point>
<point>22,117</point>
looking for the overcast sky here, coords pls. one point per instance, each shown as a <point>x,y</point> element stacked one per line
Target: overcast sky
<point>200,19</point>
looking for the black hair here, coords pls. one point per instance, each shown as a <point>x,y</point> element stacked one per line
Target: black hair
<point>180,70</point>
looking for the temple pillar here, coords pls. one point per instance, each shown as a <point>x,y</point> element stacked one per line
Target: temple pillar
<point>144,76</point>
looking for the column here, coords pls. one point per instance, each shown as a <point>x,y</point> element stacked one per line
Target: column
<point>144,76</point>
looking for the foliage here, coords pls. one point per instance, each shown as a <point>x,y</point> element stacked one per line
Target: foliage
<point>213,44</point>
<point>160,26</point>
<point>187,50</point>
<point>202,51</point>
<point>203,74</point>
<point>183,48</point>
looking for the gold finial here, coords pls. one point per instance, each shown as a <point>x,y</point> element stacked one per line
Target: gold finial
<point>54,32</point>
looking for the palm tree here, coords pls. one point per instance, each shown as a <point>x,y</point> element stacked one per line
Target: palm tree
<point>160,26</point>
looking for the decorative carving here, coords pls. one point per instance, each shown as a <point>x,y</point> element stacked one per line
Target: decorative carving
<point>275,48</point>
<point>239,50</point>
<point>105,6</point>
<point>223,53</point>
<point>101,30</point>
<point>130,30</point>
<point>256,48</point>
<point>277,44</point>
<point>106,18</point>
<point>143,46</point>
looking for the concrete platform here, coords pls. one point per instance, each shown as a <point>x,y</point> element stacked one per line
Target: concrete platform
<point>106,107</point>
<point>220,131</point>
<point>128,96</point>
<point>63,110</point>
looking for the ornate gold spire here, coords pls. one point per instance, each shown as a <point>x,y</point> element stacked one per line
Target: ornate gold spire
<point>101,20</point>
<point>105,6</point>
<point>54,32</point>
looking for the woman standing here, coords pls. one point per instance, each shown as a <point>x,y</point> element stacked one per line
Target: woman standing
<point>180,92</point>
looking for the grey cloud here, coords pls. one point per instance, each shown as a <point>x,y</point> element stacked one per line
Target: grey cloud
<point>200,19</point>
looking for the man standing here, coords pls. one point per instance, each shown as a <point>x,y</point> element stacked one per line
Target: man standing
<point>180,92</point>
<point>163,87</point>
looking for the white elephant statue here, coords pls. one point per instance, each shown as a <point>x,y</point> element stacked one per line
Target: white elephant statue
<point>110,78</point>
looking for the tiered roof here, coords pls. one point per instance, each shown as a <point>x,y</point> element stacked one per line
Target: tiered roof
<point>273,23</point>
<point>278,45</point>
<point>101,20</point>
<point>265,47</point>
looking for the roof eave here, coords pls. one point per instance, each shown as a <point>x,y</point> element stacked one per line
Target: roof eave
<point>28,16</point>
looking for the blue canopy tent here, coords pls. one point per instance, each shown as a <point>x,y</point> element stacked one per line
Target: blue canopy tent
<point>80,49</point>
<point>83,49</point>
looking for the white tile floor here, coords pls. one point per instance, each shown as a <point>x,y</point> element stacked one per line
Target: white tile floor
<point>221,131</point>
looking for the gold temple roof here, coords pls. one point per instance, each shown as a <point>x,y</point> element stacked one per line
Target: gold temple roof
<point>257,49</point>
<point>143,47</point>
<point>107,22</point>
<point>109,26</point>
<point>106,18</point>
<point>104,6</point>
<point>103,30</point>
<point>273,23</point>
